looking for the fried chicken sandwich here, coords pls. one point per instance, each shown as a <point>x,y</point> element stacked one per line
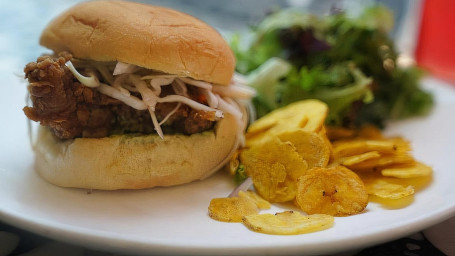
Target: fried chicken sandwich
<point>133,96</point>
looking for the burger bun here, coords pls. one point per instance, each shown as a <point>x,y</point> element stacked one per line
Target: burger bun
<point>134,161</point>
<point>148,36</point>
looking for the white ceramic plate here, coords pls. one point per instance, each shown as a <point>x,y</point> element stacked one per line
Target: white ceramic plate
<point>174,220</point>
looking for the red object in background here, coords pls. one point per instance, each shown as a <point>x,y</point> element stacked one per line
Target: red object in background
<point>435,50</point>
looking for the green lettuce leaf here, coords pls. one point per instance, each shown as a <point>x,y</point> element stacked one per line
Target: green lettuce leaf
<point>348,62</point>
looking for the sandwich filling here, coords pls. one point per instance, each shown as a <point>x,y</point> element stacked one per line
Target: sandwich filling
<point>81,98</point>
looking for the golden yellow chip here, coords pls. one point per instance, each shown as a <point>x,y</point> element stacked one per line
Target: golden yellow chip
<point>402,146</point>
<point>288,116</point>
<point>413,170</point>
<point>309,115</point>
<point>274,167</point>
<point>418,183</point>
<point>370,132</point>
<point>337,132</point>
<point>277,121</point>
<point>383,188</point>
<point>335,191</point>
<point>392,203</point>
<point>266,122</point>
<point>357,159</point>
<point>312,146</point>
<point>360,146</point>
<point>316,111</point>
<point>259,201</point>
<point>288,223</point>
<point>384,160</point>
<point>323,134</point>
<point>231,209</point>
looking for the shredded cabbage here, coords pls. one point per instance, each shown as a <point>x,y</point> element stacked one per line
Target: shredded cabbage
<point>125,68</point>
<point>91,81</point>
<point>125,80</point>
<point>131,101</point>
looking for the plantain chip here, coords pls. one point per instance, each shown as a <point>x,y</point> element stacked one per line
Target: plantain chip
<point>309,115</point>
<point>387,188</point>
<point>416,169</point>
<point>370,132</point>
<point>357,159</point>
<point>312,146</point>
<point>338,133</point>
<point>336,191</point>
<point>274,167</point>
<point>288,223</point>
<point>316,112</point>
<point>259,201</point>
<point>382,162</point>
<point>231,209</point>
<point>360,146</point>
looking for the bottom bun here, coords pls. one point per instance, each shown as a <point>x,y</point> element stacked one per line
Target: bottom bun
<point>134,162</point>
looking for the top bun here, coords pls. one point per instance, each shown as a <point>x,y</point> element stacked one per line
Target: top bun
<point>148,36</point>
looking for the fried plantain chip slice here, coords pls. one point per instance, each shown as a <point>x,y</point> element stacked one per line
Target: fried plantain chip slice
<point>274,167</point>
<point>384,189</point>
<point>288,223</point>
<point>309,115</point>
<point>231,209</point>
<point>370,132</point>
<point>336,191</point>
<point>258,200</point>
<point>359,146</point>
<point>357,159</point>
<point>338,133</point>
<point>416,169</point>
<point>382,162</point>
<point>316,112</point>
<point>312,146</point>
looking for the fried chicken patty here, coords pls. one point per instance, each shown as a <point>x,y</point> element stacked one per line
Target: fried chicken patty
<point>72,110</point>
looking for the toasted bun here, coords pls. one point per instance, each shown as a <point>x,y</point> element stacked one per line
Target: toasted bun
<point>148,36</point>
<point>134,162</point>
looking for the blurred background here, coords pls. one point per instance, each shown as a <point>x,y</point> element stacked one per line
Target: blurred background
<point>22,21</point>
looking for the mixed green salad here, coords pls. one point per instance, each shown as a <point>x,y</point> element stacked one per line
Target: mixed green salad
<point>348,62</point>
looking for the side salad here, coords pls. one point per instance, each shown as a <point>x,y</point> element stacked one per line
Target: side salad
<point>348,62</point>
